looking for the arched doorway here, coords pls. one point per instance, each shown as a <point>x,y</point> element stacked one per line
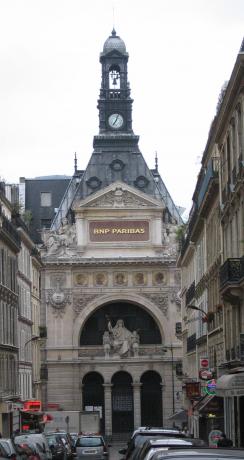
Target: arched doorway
<point>93,394</point>
<point>122,403</point>
<point>151,399</point>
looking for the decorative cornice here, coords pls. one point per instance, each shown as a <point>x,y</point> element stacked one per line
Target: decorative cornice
<point>146,261</point>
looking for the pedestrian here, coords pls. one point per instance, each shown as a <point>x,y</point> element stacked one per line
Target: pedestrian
<point>223,441</point>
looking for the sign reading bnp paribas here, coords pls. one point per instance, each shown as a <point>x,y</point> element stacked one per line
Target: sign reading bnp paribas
<point>119,230</point>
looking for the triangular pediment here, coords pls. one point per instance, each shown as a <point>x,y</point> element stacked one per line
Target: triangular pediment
<point>119,195</point>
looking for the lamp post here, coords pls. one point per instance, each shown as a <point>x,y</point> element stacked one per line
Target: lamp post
<point>194,307</point>
<point>172,375</point>
<point>34,338</point>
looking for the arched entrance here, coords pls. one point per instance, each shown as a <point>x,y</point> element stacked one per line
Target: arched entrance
<point>151,399</point>
<point>93,394</point>
<point>122,403</point>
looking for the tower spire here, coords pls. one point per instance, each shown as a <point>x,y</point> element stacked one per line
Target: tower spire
<point>75,163</point>
<point>156,161</point>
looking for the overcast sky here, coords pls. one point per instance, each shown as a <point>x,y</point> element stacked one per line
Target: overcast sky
<point>181,53</point>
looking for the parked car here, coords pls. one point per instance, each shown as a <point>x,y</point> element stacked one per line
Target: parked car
<point>38,440</point>
<point>10,448</point>
<point>142,434</point>
<point>56,446</point>
<point>91,447</point>
<point>66,440</point>
<point>199,454</point>
<point>4,455</point>
<point>153,445</point>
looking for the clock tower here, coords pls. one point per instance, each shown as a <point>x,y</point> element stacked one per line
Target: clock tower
<point>114,103</point>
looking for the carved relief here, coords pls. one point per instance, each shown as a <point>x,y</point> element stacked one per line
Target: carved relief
<point>57,280</point>
<point>159,278</point>
<point>81,279</point>
<point>119,198</point>
<point>140,279</point>
<point>120,279</point>
<point>161,300</point>
<point>175,298</point>
<point>58,299</point>
<point>100,279</point>
<point>80,301</point>
<point>61,243</point>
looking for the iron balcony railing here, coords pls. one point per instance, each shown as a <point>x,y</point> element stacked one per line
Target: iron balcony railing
<point>191,343</point>
<point>232,271</point>
<point>190,293</point>
<point>9,229</point>
<point>211,173</point>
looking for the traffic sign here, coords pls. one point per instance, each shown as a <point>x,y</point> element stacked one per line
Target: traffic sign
<point>204,362</point>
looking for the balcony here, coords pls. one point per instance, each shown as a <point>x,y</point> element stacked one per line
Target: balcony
<point>190,293</point>
<point>8,230</point>
<point>209,183</point>
<point>232,273</point>
<point>191,343</point>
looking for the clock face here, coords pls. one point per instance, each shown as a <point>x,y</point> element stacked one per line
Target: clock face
<point>115,120</point>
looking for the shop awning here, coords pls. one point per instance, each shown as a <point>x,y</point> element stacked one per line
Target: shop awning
<point>203,402</point>
<point>230,385</point>
<point>179,416</point>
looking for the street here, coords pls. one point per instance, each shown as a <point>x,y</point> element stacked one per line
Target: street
<point>113,450</point>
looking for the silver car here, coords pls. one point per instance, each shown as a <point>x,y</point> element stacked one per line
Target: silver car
<point>91,447</point>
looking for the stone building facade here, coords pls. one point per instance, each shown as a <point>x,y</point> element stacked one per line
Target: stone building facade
<point>9,248</point>
<point>212,267</point>
<point>110,283</point>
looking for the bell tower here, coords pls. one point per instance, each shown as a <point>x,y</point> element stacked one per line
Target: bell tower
<point>114,103</point>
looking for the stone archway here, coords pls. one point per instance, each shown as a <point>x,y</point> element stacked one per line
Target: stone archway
<point>122,403</point>
<point>151,399</point>
<point>156,313</point>
<point>93,394</point>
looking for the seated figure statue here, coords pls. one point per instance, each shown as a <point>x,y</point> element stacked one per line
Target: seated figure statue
<point>121,340</point>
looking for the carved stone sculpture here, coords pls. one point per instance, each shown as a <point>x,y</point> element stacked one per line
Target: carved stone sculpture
<point>119,340</point>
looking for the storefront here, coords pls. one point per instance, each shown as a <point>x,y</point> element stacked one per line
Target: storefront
<point>231,388</point>
<point>209,415</point>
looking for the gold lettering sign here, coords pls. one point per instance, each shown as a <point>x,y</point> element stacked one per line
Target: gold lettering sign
<point>129,230</point>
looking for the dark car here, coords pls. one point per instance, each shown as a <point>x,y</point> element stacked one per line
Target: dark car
<point>56,446</point>
<point>199,454</point>
<point>91,447</point>
<point>143,434</point>
<point>66,439</point>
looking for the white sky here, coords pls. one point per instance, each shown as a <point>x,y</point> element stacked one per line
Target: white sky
<point>181,53</point>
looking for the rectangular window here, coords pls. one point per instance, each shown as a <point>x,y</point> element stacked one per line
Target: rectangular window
<point>46,199</point>
<point>46,223</point>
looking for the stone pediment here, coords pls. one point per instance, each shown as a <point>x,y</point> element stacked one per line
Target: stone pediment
<point>119,195</point>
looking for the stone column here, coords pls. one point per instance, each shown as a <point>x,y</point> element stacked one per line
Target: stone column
<point>137,403</point>
<point>108,408</point>
<point>163,414</point>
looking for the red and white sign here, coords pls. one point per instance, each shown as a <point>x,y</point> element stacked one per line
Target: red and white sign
<point>204,363</point>
<point>204,374</point>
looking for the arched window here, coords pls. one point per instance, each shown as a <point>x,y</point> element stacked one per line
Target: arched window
<point>114,77</point>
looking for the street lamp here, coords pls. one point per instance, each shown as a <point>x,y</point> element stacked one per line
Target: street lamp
<point>194,307</point>
<point>172,374</point>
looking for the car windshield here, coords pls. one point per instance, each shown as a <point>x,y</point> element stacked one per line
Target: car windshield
<point>89,442</point>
